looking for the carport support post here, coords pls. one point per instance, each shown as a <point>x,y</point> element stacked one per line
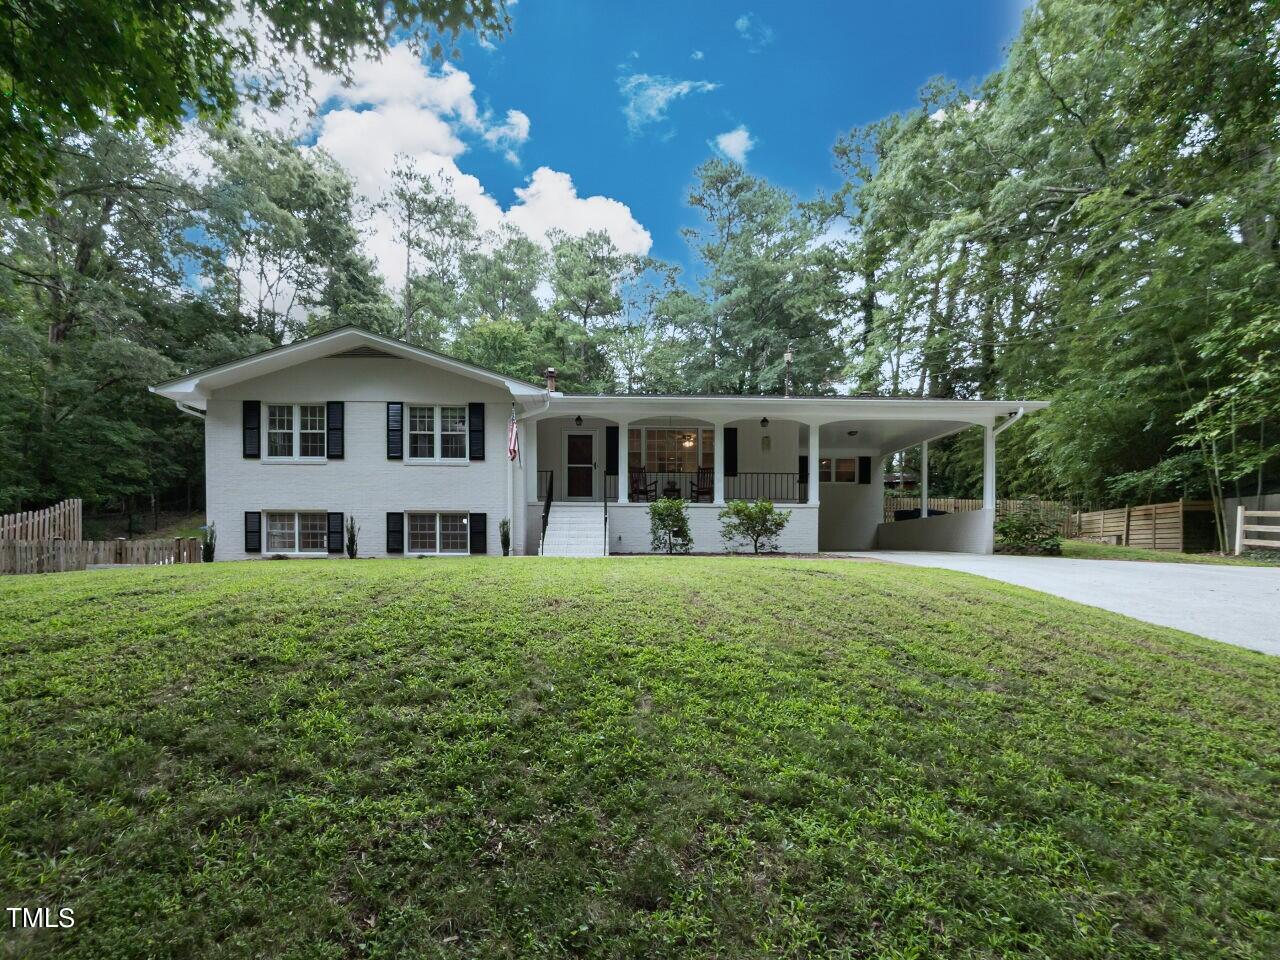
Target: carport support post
<point>717,471</point>
<point>813,463</point>
<point>924,479</point>
<point>624,460</point>
<point>988,467</point>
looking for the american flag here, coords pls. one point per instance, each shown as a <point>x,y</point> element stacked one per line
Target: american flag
<point>513,439</point>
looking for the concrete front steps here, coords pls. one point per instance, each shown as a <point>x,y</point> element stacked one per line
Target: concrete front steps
<point>574,530</point>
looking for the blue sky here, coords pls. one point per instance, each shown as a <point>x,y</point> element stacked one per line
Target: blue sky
<point>593,115</point>
<point>793,75</point>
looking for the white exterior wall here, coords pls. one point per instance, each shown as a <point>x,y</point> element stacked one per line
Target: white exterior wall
<point>629,529</point>
<point>969,531</point>
<point>364,483</point>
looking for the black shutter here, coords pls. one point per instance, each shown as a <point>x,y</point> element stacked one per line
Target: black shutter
<point>478,522</point>
<point>730,451</point>
<point>395,533</point>
<point>335,533</point>
<point>610,451</point>
<point>334,420</point>
<point>475,427</point>
<point>864,469</point>
<point>804,469</point>
<point>252,412</point>
<point>395,431</point>
<point>252,532</point>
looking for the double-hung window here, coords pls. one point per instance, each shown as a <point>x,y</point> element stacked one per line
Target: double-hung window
<point>297,532</point>
<point>439,533</point>
<point>295,431</point>
<point>437,433</point>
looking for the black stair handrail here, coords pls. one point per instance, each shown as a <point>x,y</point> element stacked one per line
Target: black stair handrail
<point>546,507</point>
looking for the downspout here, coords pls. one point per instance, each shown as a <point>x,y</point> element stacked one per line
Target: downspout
<point>1014,418</point>
<point>511,467</point>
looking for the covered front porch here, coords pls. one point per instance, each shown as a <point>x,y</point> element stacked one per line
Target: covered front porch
<point>820,458</point>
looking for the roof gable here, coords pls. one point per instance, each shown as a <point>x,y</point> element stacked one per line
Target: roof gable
<point>194,388</point>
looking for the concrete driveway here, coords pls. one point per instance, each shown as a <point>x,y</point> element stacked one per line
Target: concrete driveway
<point>1238,605</point>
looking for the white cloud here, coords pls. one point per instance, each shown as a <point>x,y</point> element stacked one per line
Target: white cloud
<point>696,55</point>
<point>735,144</point>
<point>551,201</point>
<point>755,34</point>
<point>646,97</point>
<point>509,135</point>
<point>400,107</point>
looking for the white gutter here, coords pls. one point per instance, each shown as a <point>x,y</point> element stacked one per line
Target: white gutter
<point>189,410</point>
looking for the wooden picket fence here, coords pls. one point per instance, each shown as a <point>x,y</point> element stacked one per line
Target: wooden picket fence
<point>60,556</point>
<point>1179,525</point>
<point>1058,510</point>
<point>61,521</point>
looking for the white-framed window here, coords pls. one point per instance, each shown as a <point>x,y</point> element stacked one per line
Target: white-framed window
<point>438,532</point>
<point>296,431</point>
<point>437,432</point>
<point>293,531</point>
<point>846,470</point>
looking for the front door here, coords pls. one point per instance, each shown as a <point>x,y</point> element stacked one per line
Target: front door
<point>580,457</point>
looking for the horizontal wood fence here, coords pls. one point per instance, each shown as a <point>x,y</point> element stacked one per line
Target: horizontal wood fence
<point>60,556</point>
<point>1250,533</point>
<point>1181,525</point>
<point>1059,510</point>
<point>64,520</point>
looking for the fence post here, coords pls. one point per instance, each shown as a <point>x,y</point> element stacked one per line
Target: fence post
<point>1128,517</point>
<point>1239,529</point>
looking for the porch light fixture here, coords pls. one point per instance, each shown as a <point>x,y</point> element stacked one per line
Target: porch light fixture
<point>577,421</point>
<point>764,423</point>
<point>853,433</point>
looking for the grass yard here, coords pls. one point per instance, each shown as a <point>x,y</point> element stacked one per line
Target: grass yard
<point>1084,550</point>
<point>630,758</point>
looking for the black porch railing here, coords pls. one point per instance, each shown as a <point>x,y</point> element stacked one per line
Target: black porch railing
<point>788,487</point>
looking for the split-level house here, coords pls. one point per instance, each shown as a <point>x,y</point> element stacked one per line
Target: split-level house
<point>419,450</point>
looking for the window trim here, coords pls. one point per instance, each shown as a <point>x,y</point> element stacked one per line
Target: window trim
<point>297,550</point>
<point>296,456</point>
<point>437,552</point>
<point>437,422</point>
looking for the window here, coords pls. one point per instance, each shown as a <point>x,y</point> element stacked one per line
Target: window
<point>824,468</point>
<point>279,430</point>
<point>439,533</point>
<point>297,532</point>
<point>295,431</point>
<point>846,470</point>
<point>677,450</point>
<point>453,433</point>
<point>422,433</point>
<point>422,533</point>
<point>442,429</point>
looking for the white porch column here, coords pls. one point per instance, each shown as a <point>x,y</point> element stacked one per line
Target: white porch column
<point>988,467</point>
<point>624,467</point>
<point>813,463</point>
<point>529,448</point>
<point>924,479</point>
<point>717,453</point>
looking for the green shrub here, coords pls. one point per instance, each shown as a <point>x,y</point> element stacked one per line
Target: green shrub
<point>208,542</point>
<point>504,534</point>
<point>669,527</point>
<point>757,523</point>
<point>1029,532</point>
<point>353,532</point>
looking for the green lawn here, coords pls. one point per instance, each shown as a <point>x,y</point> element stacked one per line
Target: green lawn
<point>1084,550</point>
<point>630,758</point>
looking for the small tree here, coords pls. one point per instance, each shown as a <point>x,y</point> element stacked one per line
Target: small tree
<point>208,542</point>
<point>352,533</point>
<point>504,534</point>
<point>669,527</point>
<point>756,523</point>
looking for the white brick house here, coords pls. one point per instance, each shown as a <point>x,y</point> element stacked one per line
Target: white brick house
<point>413,446</point>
